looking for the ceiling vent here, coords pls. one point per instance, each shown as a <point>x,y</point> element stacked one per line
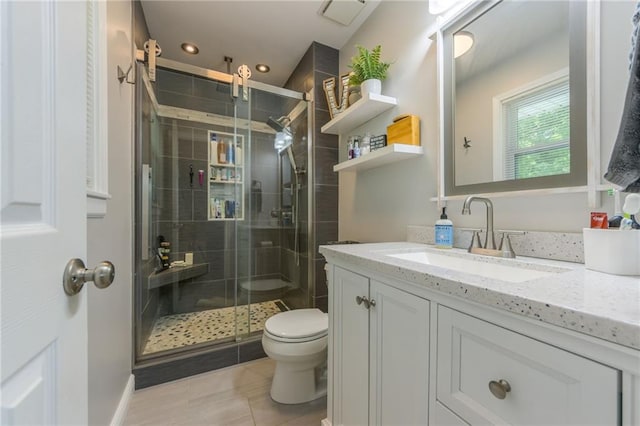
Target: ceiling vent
<point>342,11</point>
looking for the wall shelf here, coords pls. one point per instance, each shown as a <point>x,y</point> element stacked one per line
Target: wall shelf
<point>367,107</point>
<point>388,154</point>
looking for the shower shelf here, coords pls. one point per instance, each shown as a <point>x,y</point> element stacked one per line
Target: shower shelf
<point>232,182</point>
<point>176,274</point>
<point>230,166</point>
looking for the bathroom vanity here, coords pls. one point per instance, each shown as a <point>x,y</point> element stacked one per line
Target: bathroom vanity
<point>443,337</point>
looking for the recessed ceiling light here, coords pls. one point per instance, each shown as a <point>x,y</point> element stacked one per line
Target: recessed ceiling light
<point>190,48</point>
<point>263,68</point>
<point>462,42</point>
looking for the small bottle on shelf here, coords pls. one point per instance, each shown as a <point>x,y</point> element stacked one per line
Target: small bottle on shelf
<point>213,150</point>
<point>356,150</point>
<point>222,152</point>
<point>365,146</point>
<point>350,149</point>
<point>238,156</point>
<point>230,152</point>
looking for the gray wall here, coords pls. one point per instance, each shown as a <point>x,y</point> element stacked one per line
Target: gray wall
<point>110,238</point>
<point>378,204</point>
<point>140,29</point>
<point>319,63</point>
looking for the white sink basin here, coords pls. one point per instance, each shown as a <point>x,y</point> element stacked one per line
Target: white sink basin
<point>517,272</point>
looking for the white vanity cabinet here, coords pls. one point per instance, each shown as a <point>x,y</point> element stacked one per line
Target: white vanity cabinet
<point>418,356</point>
<point>379,352</point>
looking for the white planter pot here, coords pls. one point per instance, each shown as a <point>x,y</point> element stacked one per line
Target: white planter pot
<point>371,86</point>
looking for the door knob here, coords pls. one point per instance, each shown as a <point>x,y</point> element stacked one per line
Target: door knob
<point>75,275</point>
<point>360,299</point>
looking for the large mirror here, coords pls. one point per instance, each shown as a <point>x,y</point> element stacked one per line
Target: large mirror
<point>514,105</point>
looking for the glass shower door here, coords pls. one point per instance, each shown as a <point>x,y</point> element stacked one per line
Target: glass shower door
<point>272,259</point>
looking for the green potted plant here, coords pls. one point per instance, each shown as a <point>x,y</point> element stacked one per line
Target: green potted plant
<point>367,70</point>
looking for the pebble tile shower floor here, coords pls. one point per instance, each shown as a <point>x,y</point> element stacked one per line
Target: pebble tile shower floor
<point>179,330</point>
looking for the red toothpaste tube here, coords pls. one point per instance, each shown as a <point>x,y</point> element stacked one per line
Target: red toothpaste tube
<point>599,220</point>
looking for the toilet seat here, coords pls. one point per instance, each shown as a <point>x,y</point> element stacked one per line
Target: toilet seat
<point>299,325</point>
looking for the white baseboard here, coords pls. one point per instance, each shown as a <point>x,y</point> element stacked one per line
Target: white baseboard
<point>123,405</point>
<point>325,422</point>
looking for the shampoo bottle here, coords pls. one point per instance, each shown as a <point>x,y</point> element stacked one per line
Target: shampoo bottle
<point>444,231</point>
<point>222,152</point>
<point>230,159</point>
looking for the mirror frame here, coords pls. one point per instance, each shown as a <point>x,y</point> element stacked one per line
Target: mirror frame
<point>579,61</point>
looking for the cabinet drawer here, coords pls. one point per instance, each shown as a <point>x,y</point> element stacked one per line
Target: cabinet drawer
<point>546,385</point>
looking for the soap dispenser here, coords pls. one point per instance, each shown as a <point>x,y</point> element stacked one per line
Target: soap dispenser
<point>444,231</point>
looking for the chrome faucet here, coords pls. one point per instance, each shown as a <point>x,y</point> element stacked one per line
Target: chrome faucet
<point>489,241</point>
<point>489,247</point>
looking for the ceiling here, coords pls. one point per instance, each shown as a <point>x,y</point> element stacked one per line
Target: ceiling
<point>507,30</point>
<point>276,33</point>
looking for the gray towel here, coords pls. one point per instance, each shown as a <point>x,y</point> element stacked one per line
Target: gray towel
<point>635,19</point>
<point>624,165</point>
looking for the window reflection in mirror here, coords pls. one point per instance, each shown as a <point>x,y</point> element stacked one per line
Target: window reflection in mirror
<point>517,98</point>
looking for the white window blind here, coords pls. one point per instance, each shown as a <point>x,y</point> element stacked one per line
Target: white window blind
<point>536,132</point>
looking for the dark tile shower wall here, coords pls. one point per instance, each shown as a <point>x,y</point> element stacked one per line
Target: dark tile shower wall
<point>319,63</point>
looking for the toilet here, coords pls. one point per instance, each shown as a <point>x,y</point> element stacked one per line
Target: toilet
<point>297,341</point>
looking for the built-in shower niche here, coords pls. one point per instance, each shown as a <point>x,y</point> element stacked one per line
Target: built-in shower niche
<point>226,176</point>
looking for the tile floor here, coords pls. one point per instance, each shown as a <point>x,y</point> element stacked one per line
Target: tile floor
<point>176,331</point>
<point>237,395</point>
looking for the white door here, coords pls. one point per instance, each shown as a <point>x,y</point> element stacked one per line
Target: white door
<point>43,217</point>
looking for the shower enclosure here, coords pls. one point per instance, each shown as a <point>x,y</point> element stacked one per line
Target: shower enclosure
<point>222,217</point>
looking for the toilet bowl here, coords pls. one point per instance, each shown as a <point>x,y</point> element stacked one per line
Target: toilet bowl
<point>297,341</point>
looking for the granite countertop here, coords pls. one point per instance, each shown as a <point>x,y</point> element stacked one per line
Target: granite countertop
<point>594,303</point>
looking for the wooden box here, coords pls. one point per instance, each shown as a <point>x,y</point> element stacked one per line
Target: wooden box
<point>405,129</point>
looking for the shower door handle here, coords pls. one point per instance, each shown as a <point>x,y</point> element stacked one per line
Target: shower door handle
<point>75,275</point>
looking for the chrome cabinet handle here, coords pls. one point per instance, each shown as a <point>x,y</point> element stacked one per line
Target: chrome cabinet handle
<point>372,302</point>
<point>500,388</point>
<point>367,302</point>
<point>75,275</point>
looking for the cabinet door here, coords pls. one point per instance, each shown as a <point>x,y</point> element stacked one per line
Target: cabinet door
<point>351,349</point>
<point>546,385</point>
<point>399,359</point>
